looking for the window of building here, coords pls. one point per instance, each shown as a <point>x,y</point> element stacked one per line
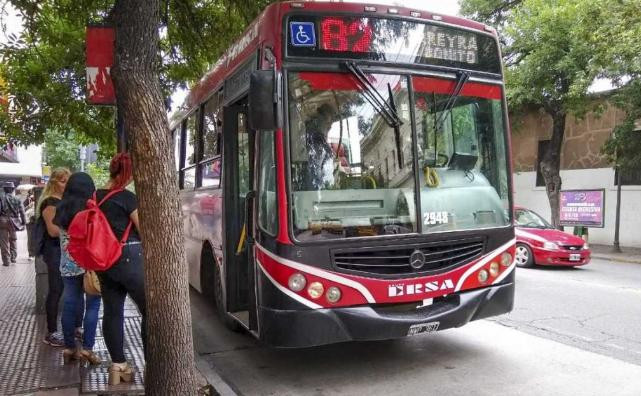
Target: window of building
<point>543,146</point>
<point>267,203</point>
<point>629,177</point>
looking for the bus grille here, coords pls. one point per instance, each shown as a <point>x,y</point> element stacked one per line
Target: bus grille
<point>395,260</point>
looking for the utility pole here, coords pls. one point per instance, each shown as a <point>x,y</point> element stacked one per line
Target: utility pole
<point>615,245</point>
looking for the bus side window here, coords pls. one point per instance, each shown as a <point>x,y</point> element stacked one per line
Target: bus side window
<point>191,136</point>
<point>267,205</point>
<point>211,163</point>
<point>175,135</point>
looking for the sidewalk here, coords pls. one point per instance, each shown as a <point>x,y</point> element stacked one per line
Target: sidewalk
<point>28,366</point>
<point>627,255</point>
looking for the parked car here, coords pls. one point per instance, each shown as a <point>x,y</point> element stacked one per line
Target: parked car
<point>537,242</point>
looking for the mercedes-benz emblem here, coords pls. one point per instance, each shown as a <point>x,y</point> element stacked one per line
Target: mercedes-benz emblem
<point>417,259</point>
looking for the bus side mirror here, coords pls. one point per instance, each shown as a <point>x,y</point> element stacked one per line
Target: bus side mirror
<point>265,98</point>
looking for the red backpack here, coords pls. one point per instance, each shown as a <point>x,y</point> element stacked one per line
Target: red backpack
<point>92,243</point>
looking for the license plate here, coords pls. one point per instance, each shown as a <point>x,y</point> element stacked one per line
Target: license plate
<point>422,328</point>
<point>575,257</point>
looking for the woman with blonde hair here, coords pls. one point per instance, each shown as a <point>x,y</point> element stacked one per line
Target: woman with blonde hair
<point>51,250</point>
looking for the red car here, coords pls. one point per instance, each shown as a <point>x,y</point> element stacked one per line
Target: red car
<point>537,242</point>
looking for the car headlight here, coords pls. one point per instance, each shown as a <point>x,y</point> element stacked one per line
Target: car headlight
<point>550,246</point>
<point>586,246</point>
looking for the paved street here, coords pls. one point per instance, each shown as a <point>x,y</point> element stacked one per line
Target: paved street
<point>596,307</point>
<point>573,332</point>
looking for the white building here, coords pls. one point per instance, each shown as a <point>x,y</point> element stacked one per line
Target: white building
<point>582,167</point>
<point>21,165</point>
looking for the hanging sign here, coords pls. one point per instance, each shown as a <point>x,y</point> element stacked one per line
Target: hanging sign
<point>100,57</point>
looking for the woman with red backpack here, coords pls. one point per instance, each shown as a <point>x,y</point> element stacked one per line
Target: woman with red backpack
<point>79,189</point>
<point>126,276</point>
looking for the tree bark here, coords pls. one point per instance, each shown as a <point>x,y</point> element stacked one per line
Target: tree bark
<point>551,164</point>
<point>169,355</point>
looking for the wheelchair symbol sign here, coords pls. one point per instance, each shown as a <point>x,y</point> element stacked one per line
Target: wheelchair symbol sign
<point>303,34</point>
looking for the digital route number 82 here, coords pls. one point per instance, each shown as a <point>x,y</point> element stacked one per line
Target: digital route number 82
<point>346,35</point>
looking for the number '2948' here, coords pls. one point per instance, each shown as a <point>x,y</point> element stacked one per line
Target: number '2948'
<point>433,218</point>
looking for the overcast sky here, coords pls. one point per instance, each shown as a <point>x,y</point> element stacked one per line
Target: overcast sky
<point>447,7</point>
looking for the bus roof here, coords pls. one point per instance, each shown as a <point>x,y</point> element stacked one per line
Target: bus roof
<point>263,29</point>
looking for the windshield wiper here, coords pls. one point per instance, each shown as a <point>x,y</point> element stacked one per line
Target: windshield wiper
<point>461,79</point>
<point>386,109</point>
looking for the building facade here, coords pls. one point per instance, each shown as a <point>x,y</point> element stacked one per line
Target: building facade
<point>582,167</point>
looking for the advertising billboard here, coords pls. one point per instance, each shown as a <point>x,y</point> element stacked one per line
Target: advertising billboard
<point>582,208</point>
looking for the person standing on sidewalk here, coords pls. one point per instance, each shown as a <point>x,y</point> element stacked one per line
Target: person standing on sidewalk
<point>126,276</point>
<point>79,189</point>
<point>12,219</point>
<point>51,250</point>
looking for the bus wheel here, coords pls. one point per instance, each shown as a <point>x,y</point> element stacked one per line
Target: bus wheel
<point>230,323</point>
<point>524,257</point>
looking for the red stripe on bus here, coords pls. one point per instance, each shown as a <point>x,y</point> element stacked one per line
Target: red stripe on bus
<point>283,227</point>
<point>446,87</point>
<point>330,81</point>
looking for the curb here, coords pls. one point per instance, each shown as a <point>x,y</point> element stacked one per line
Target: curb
<point>221,387</point>
<point>614,258</point>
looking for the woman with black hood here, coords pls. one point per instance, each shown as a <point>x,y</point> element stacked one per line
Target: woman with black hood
<point>79,189</point>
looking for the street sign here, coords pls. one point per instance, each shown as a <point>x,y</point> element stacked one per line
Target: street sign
<point>582,208</point>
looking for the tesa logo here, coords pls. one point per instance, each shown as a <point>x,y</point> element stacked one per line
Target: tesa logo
<point>419,288</point>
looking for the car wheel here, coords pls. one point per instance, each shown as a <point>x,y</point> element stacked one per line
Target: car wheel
<point>523,257</point>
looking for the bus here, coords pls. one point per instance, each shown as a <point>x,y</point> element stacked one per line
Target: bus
<point>345,174</point>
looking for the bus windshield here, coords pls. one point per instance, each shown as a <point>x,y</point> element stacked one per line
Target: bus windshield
<point>348,178</point>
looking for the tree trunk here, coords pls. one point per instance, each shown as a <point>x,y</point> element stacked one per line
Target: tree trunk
<point>551,164</point>
<point>169,355</point>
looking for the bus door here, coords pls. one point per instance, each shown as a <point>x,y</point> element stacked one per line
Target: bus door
<point>238,180</point>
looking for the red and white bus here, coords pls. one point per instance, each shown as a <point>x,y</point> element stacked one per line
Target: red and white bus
<point>345,175</point>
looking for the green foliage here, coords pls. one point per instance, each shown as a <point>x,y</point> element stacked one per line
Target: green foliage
<point>61,149</point>
<point>619,56</point>
<point>553,51</point>
<point>44,67</point>
<point>99,172</point>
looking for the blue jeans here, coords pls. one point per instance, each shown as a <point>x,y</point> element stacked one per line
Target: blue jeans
<point>73,298</point>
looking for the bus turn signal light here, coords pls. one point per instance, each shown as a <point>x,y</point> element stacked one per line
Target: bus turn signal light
<point>494,269</point>
<point>315,290</point>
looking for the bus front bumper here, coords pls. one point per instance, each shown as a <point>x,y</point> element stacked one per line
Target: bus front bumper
<point>306,328</point>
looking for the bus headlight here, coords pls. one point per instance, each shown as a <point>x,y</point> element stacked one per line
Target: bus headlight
<point>483,275</point>
<point>315,290</point>
<point>494,268</point>
<point>333,294</point>
<point>506,259</point>
<point>297,282</point>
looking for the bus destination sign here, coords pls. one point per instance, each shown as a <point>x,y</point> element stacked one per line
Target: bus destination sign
<point>443,44</point>
<point>392,40</point>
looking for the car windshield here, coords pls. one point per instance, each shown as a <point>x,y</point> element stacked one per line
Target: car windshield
<point>527,218</point>
<point>349,178</point>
